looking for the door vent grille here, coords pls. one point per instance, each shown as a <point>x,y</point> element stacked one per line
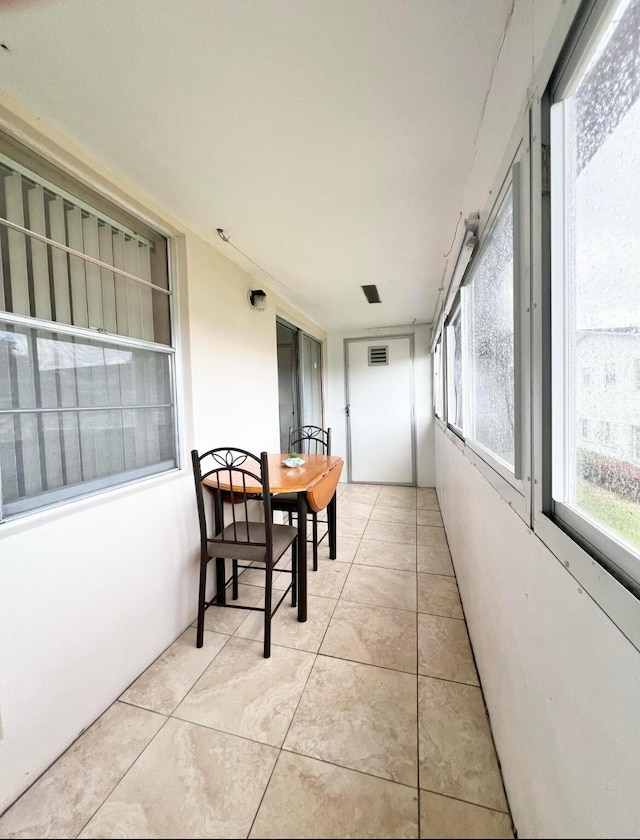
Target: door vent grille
<point>379,355</point>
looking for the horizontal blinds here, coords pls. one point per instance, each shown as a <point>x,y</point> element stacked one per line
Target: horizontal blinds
<point>58,258</point>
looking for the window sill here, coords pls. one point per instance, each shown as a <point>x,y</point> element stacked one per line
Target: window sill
<point>71,507</point>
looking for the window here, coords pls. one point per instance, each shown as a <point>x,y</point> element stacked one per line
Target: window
<point>584,429</point>
<point>454,369</point>
<point>595,200</point>
<point>609,375</point>
<point>489,302</point>
<point>637,373</point>
<point>437,379</point>
<point>86,362</point>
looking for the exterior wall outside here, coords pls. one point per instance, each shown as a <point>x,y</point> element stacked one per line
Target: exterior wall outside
<point>561,682</point>
<point>422,394</point>
<point>91,592</point>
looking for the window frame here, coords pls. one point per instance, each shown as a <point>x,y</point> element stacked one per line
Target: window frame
<point>449,383</point>
<point>512,181</point>
<point>588,563</point>
<point>83,192</point>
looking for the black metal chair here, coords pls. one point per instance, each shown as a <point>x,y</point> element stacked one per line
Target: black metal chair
<point>239,484</point>
<point>306,440</point>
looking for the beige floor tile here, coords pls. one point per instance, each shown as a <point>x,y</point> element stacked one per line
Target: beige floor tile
<point>363,492</point>
<point>444,650</point>
<point>68,794</point>
<point>373,635</point>
<point>389,555</point>
<point>390,532</point>
<point>245,694</point>
<point>438,595</point>
<point>427,499</point>
<point>190,782</point>
<point>358,716</point>
<point>457,756</point>
<point>346,549</point>
<point>350,527</point>
<point>432,535</point>
<point>226,620</point>
<point>166,681</point>
<point>435,560</point>
<point>256,576</point>
<point>398,515</point>
<point>430,517</point>
<point>328,580</point>
<point>397,497</point>
<point>309,798</point>
<point>287,631</point>
<point>353,508</point>
<point>442,817</point>
<point>381,587</point>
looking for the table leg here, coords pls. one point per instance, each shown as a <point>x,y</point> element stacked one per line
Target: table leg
<point>332,525</point>
<point>302,556</point>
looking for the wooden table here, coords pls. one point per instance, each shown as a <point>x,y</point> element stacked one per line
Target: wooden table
<point>315,484</point>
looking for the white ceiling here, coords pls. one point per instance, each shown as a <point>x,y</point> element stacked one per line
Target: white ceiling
<point>331,140</point>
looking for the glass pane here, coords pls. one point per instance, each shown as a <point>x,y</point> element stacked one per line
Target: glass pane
<point>600,475</point>
<point>73,411</point>
<point>454,371</point>
<point>311,382</point>
<point>490,316</point>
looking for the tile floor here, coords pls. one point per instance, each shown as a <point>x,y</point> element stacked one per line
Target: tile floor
<point>367,721</point>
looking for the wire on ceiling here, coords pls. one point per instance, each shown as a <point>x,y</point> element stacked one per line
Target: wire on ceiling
<point>226,238</point>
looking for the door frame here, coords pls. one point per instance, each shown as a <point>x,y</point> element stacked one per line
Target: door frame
<point>414,465</point>
<point>299,333</point>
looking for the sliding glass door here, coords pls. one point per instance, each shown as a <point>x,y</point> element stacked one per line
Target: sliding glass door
<point>299,380</point>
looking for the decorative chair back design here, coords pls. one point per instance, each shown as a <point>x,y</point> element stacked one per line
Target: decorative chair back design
<point>310,440</point>
<point>237,468</point>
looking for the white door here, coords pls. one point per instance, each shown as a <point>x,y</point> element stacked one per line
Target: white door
<point>380,422</point>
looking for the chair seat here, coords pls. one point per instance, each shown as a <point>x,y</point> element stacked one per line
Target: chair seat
<point>283,536</point>
<point>288,499</point>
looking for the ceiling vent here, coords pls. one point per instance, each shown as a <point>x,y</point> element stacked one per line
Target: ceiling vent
<point>371,293</point>
<point>379,355</point>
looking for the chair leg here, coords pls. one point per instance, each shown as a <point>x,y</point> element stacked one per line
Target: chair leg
<point>267,611</point>
<point>202,589</point>
<point>315,542</point>
<point>234,594</point>
<point>294,573</point>
<point>221,592</point>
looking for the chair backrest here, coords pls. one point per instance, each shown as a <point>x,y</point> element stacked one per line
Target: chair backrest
<point>310,440</point>
<point>237,480</point>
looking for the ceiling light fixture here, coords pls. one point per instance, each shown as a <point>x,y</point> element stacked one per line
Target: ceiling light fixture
<point>258,299</point>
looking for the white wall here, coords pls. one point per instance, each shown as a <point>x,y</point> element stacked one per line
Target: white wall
<point>561,682</point>
<point>422,394</point>
<point>93,591</point>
